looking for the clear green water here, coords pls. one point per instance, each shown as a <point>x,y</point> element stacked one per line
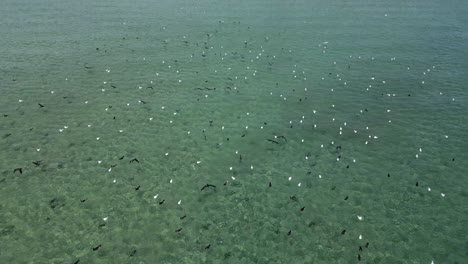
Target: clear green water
<point>54,212</point>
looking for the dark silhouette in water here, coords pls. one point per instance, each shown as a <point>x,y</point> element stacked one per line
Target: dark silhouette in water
<point>273,141</point>
<point>207,247</point>
<point>41,105</point>
<point>134,160</point>
<point>97,247</point>
<point>20,170</point>
<point>121,158</point>
<point>37,163</point>
<point>283,137</point>
<point>343,232</point>
<point>207,185</point>
<point>183,217</point>
<point>161,202</point>
<point>178,230</point>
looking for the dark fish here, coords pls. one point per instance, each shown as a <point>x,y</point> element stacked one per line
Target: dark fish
<point>417,184</point>
<point>269,184</point>
<point>132,253</point>
<point>302,209</point>
<point>367,244</point>
<point>289,232</point>
<point>360,248</point>
<point>178,230</point>
<point>388,175</point>
<point>283,137</point>
<point>113,165</point>
<point>137,188</point>
<point>346,198</point>
<point>243,135</point>
<point>133,160</point>
<point>183,217</point>
<point>359,257</point>
<point>207,247</point>
<point>207,185</point>
<point>37,163</point>
<point>240,158</point>
<point>143,102</point>
<point>97,247</point>
<point>161,202</point>
<point>41,105</point>
<point>113,86</point>
<point>76,262</point>
<point>121,158</point>
<point>18,169</point>
<point>343,232</point>
<point>276,142</point>
<point>83,200</point>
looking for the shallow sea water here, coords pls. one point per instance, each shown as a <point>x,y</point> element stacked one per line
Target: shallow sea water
<point>369,97</point>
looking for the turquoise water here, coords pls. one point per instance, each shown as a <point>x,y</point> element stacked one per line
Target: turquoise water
<point>334,131</point>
